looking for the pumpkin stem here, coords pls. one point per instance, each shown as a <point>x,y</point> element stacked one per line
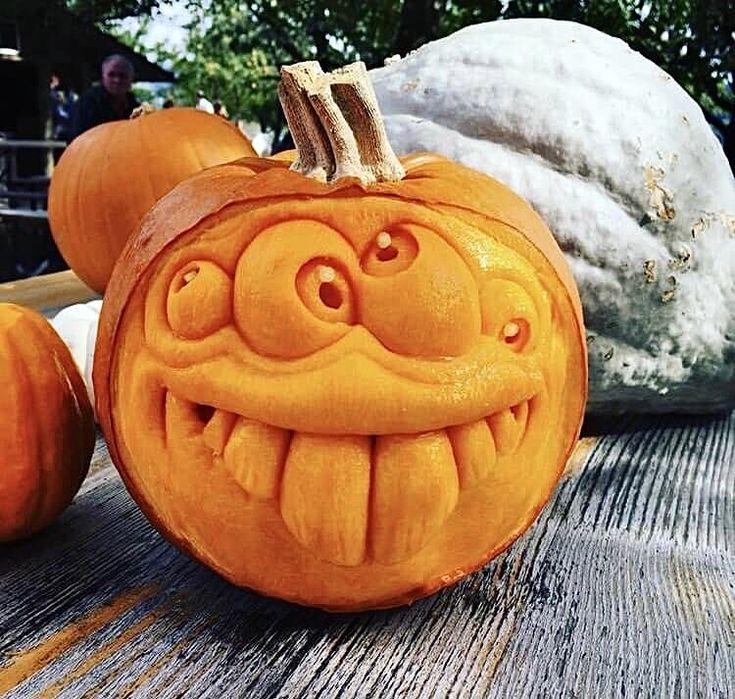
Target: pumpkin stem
<point>142,110</point>
<point>314,152</point>
<point>336,124</point>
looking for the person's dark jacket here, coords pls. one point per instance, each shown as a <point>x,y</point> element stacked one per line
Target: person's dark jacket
<point>95,107</point>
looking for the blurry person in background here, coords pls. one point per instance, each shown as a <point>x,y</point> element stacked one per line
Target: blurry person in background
<point>108,101</point>
<point>62,104</point>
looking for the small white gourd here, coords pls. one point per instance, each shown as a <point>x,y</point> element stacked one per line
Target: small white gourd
<point>622,166</point>
<point>77,326</point>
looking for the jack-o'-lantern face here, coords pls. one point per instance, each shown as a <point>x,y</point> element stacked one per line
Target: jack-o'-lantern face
<point>346,400</point>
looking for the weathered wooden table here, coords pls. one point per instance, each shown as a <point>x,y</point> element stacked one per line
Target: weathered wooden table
<point>624,587</point>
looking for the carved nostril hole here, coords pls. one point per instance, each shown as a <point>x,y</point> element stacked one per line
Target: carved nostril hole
<point>330,295</point>
<point>515,334</point>
<point>323,286</point>
<point>387,254</point>
<point>184,279</point>
<point>204,413</point>
<point>511,331</point>
<point>188,276</point>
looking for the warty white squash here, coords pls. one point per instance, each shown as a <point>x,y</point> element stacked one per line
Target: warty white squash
<point>77,326</point>
<point>621,164</point>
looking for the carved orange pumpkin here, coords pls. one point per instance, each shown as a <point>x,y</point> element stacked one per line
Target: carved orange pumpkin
<point>110,176</point>
<point>47,433</point>
<point>341,394</point>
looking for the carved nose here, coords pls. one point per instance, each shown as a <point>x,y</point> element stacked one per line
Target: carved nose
<point>427,306</point>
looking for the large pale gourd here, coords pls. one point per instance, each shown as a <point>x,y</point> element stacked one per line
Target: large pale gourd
<point>622,166</point>
<point>345,393</point>
<point>110,176</point>
<point>77,327</point>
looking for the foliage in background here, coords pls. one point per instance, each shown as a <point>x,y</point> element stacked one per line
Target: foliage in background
<point>106,10</point>
<point>235,48</point>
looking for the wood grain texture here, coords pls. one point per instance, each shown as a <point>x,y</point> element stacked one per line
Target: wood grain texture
<point>48,293</point>
<point>624,587</point>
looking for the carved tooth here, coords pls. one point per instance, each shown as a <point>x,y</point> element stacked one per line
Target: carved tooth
<point>508,427</point>
<point>474,451</point>
<point>254,455</point>
<point>217,431</point>
<point>325,495</point>
<point>183,431</point>
<point>415,488</point>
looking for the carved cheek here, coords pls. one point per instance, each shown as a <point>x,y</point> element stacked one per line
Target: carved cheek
<point>419,298</point>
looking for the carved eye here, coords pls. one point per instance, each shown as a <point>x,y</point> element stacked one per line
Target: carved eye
<point>293,289</point>
<point>325,290</point>
<point>390,252</point>
<point>199,300</point>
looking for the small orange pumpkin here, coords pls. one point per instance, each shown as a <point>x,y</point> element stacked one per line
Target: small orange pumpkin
<point>48,431</point>
<point>347,393</point>
<point>112,174</point>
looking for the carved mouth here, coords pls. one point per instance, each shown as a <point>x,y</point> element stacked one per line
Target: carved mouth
<point>353,498</point>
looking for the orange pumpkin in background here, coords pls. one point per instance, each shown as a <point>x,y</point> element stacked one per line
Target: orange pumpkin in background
<point>48,432</point>
<point>108,178</point>
<point>345,393</point>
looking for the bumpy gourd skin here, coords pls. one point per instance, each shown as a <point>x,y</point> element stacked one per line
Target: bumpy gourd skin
<point>346,401</point>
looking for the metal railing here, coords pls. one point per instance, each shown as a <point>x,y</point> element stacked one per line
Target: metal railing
<point>24,195</point>
<point>27,248</point>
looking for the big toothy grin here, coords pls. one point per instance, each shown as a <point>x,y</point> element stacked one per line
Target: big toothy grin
<point>353,497</point>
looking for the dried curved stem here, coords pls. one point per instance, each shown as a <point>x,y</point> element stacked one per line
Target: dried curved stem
<point>314,153</point>
<point>336,124</point>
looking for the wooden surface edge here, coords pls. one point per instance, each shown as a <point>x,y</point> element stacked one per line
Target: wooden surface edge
<point>578,458</point>
<point>48,291</point>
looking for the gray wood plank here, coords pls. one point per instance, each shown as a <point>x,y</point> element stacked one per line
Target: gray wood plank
<point>625,586</point>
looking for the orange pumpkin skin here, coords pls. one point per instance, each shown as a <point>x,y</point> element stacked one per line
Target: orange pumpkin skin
<point>327,415</point>
<point>48,432</point>
<point>108,178</point>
